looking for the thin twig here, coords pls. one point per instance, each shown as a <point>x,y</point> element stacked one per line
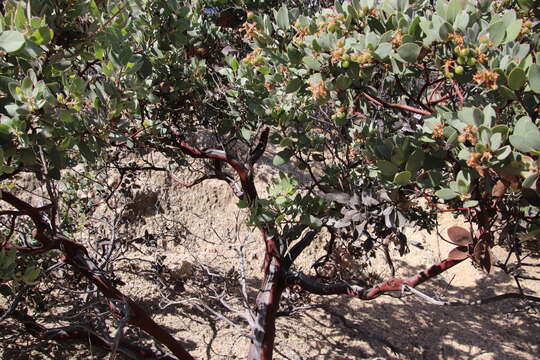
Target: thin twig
<point>403,107</point>
<point>406,288</point>
<point>120,331</point>
<point>14,304</point>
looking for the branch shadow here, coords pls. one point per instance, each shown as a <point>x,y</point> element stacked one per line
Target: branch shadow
<point>410,328</point>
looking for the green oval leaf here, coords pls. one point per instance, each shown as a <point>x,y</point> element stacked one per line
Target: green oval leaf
<point>42,36</point>
<point>530,181</point>
<point>85,150</point>
<point>534,78</point>
<point>11,41</point>
<point>495,141</point>
<point>409,52</point>
<point>513,30</point>
<point>446,194</point>
<point>383,50</point>
<point>520,143</point>
<point>282,18</point>
<point>503,152</point>
<point>293,85</point>
<point>387,168</point>
<point>311,63</point>
<point>402,178</point>
<point>526,137</point>
<point>295,56</point>
<point>415,162</point>
<point>507,93</point>
<point>454,7</point>
<point>470,203</point>
<point>343,82</point>
<point>517,78</point>
<point>282,157</point>
<point>31,274</point>
<point>497,32</point>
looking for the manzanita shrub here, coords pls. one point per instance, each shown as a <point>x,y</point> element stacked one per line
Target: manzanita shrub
<point>418,100</point>
<point>392,112</point>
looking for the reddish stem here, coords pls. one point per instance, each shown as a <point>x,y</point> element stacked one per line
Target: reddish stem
<point>433,102</point>
<point>459,93</point>
<point>394,285</point>
<point>428,84</point>
<point>382,103</point>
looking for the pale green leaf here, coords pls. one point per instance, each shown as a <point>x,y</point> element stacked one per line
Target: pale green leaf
<point>446,194</point>
<point>534,78</point>
<point>11,41</point>
<point>409,52</point>
<point>497,32</point>
<point>282,18</point>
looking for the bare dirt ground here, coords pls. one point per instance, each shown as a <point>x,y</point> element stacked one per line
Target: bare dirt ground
<point>196,235</point>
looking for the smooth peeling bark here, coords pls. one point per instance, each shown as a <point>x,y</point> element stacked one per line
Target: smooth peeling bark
<point>262,346</point>
<point>274,282</point>
<point>313,285</point>
<point>77,256</point>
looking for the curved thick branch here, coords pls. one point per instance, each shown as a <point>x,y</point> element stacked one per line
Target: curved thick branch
<point>218,176</point>
<point>77,256</point>
<point>246,177</point>
<point>297,248</point>
<point>409,95</point>
<point>391,286</point>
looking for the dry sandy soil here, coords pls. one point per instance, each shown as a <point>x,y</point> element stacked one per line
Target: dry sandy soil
<point>199,231</point>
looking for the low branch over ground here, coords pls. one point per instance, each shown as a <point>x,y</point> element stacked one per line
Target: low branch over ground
<point>77,256</point>
<point>391,286</point>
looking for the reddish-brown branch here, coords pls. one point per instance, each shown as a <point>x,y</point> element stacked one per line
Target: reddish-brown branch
<point>434,91</point>
<point>393,285</point>
<point>432,272</point>
<point>34,213</point>
<point>264,331</point>
<point>77,256</point>
<point>10,213</point>
<point>427,85</point>
<point>433,102</point>
<point>246,178</point>
<point>380,102</point>
<point>297,249</point>
<point>416,100</point>
<point>131,136</point>
<point>264,328</point>
<point>28,250</point>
